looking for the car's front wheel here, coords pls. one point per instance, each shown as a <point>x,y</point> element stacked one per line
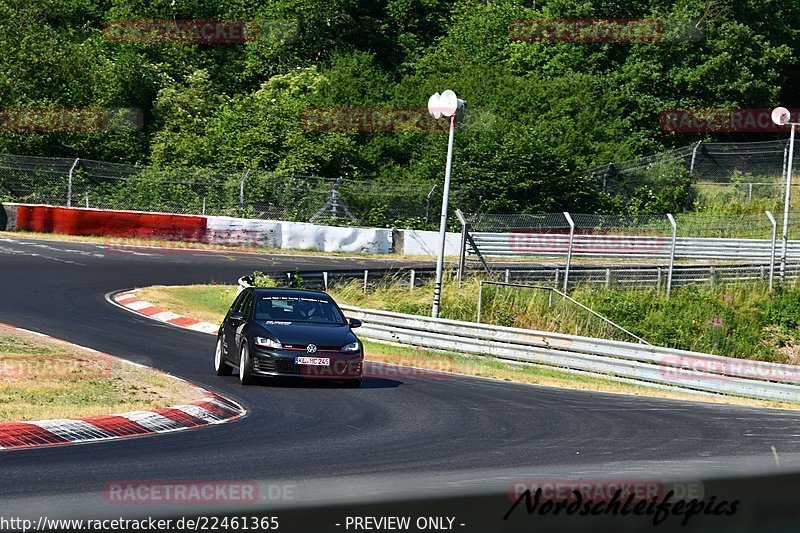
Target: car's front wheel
<point>245,378</point>
<point>220,366</point>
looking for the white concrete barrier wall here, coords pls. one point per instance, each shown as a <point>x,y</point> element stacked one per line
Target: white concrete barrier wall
<point>417,242</point>
<point>298,235</point>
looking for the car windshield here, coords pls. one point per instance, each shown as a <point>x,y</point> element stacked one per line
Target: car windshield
<point>284,308</point>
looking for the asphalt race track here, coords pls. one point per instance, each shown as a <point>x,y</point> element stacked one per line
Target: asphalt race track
<point>393,438</point>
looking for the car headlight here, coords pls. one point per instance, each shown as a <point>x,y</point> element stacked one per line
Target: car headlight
<point>268,343</point>
<point>352,347</point>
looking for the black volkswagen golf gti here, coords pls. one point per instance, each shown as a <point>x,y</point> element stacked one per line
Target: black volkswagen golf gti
<point>288,333</point>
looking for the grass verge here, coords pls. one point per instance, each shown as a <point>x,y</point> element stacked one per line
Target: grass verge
<point>210,302</point>
<point>44,379</point>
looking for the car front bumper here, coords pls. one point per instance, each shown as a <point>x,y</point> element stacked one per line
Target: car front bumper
<point>281,363</point>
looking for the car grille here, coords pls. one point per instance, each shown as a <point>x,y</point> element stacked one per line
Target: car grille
<point>302,347</point>
<point>263,365</point>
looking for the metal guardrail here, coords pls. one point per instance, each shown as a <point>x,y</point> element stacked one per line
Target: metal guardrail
<point>620,360</point>
<point>505,245</point>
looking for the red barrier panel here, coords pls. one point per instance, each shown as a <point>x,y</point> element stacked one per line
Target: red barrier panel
<point>76,221</point>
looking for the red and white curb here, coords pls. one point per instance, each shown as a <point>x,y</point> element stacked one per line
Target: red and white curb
<point>130,301</point>
<point>212,409</point>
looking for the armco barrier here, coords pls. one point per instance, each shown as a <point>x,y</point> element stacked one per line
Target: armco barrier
<point>607,358</point>
<point>78,221</point>
<point>522,244</point>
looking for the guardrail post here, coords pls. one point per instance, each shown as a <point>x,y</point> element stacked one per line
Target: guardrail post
<point>241,188</point>
<point>69,182</point>
<point>508,275</point>
<point>774,223</point>
<point>366,275</point>
<point>608,277</point>
<point>658,279</point>
<point>711,275</point>
<point>413,281</point>
<point>555,284</point>
<point>325,281</point>
<point>569,249</point>
<point>462,254</point>
<point>672,250</point>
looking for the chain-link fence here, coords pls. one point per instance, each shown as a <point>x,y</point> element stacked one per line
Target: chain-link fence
<point>251,194</point>
<point>708,175</point>
<point>717,171</point>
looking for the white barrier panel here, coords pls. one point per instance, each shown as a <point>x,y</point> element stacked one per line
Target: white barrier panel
<point>305,236</point>
<point>243,231</point>
<point>418,242</point>
<point>298,235</point>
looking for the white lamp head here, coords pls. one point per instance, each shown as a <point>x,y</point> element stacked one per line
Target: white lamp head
<point>781,116</point>
<point>444,104</point>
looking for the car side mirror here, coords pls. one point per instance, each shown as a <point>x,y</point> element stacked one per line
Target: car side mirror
<point>238,316</point>
<point>355,323</point>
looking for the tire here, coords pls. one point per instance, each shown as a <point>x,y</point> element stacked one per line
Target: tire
<point>245,378</point>
<point>221,368</point>
<point>352,383</point>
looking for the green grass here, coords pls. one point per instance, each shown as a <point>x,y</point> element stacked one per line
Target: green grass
<point>42,379</point>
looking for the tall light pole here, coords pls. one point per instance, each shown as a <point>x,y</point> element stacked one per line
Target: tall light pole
<point>782,117</point>
<point>439,105</point>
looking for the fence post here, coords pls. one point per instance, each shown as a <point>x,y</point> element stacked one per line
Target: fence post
<point>508,275</point>
<point>694,158</point>
<point>325,281</point>
<point>87,199</point>
<point>69,182</point>
<point>241,188</point>
<point>555,284</point>
<point>569,249</point>
<point>366,275</point>
<point>413,281</point>
<point>204,205</point>
<point>428,203</point>
<point>608,277</point>
<point>774,223</point>
<point>462,254</point>
<point>672,250</point>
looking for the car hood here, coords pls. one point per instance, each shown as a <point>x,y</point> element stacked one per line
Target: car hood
<point>319,334</point>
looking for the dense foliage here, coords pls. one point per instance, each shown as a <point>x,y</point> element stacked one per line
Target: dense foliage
<point>537,111</point>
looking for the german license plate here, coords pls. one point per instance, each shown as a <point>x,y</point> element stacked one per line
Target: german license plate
<point>313,361</point>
